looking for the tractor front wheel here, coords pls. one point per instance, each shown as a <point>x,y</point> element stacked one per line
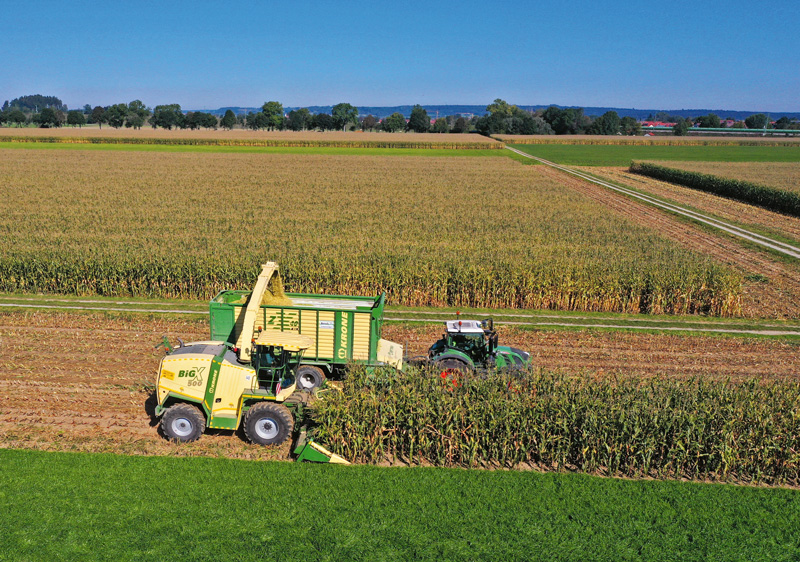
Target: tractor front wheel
<point>268,423</point>
<point>183,422</point>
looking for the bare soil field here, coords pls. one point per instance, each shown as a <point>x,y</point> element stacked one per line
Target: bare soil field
<point>780,175</point>
<point>779,297</point>
<point>242,134</point>
<point>80,382</point>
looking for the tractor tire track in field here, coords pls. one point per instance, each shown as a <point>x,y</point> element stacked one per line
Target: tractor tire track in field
<point>530,320</point>
<point>778,298</point>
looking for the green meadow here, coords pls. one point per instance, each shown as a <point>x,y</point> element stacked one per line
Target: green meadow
<point>67,506</point>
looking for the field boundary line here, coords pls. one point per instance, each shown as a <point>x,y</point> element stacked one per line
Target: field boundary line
<point>776,245</point>
<point>564,324</point>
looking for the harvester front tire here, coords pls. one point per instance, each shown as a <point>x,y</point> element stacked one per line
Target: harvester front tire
<point>268,423</point>
<point>183,423</point>
<point>309,377</point>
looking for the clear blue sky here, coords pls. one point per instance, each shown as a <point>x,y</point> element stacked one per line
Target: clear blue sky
<point>735,54</point>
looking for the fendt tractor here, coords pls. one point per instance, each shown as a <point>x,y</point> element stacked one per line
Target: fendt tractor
<point>472,345</point>
<point>216,384</point>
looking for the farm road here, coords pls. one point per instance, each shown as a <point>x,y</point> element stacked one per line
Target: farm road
<point>779,298</point>
<point>522,318</point>
<point>754,237</point>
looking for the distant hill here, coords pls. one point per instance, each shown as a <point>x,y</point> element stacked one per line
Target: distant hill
<point>468,110</point>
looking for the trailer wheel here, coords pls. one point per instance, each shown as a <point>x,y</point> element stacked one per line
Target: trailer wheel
<point>183,422</point>
<point>309,376</point>
<point>268,423</point>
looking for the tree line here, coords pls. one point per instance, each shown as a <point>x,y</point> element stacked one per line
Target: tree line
<point>500,118</point>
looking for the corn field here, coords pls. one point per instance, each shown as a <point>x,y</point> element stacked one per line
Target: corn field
<point>445,143</point>
<point>482,232</point>
<point>698,428</point>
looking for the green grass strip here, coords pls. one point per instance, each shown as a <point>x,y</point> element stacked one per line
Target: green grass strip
<point>68,506</point>
<point>621,155</point>
<point>259,149</point>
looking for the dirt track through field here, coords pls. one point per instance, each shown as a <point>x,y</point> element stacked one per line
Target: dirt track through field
<point>779,298</point>
<point>80,381</point>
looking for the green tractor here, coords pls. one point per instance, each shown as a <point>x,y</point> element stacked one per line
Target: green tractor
<point>215,384</point>
<point>471,345</point>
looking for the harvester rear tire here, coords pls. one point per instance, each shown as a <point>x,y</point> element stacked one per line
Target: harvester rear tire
<point>183,423</point>
<point>309,376</point>
<point>452,372</point>
<point>268,423</point>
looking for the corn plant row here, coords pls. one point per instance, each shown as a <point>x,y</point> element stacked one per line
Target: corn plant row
<point>613,425</point>
<point>285,143</point>
<point>639,141</point>
<point>767,197</point>
<point>713,292</point>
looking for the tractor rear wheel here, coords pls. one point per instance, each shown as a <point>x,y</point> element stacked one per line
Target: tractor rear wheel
<point>452,372</point>
<point>309,376</point>
<point>268,423</point>
<point>183,422</point>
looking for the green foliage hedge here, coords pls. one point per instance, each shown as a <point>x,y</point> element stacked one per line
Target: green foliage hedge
<point>611,425</point>
<point>755,194</point>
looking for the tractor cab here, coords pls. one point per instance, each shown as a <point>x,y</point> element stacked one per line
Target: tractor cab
<point>474,338</point>
<point>275,358</point>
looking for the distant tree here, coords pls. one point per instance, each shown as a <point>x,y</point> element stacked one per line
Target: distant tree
<point>134,120</point>
<point>75,117</point>
<point>569,121</point>
<point>87,109</point>
<point>607,124</point>
<point>210,121</point>
<point>710,121</point>
<point>681,126</point>
<point>440,126</point>
<point>116,114</point>
<point>273,111</point>
<point>98,116</point>
<point>783,123</point>
<point>324,122</point>
<point>501,108</point>
<point>137,108</point>
<point>37,102</point>
<point>419,122</point>
<point>61,117</point>
<point>369,123</point>
<point>17,117</point>
<point>299,119</point>
<point>167,116</point>
<point>630,126</point>
<point>47,118</point>
<point>757,121</point>
<point>461,125</point>
<point>257,121</point>
<point>228,120</point>
<point>201,119</point>
<point>739,125</point>
<point>6,107</point>
<point>344,114</point>
<point>394,122</point>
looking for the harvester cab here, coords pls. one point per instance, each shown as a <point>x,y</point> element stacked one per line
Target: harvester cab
<point>275,358</point>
